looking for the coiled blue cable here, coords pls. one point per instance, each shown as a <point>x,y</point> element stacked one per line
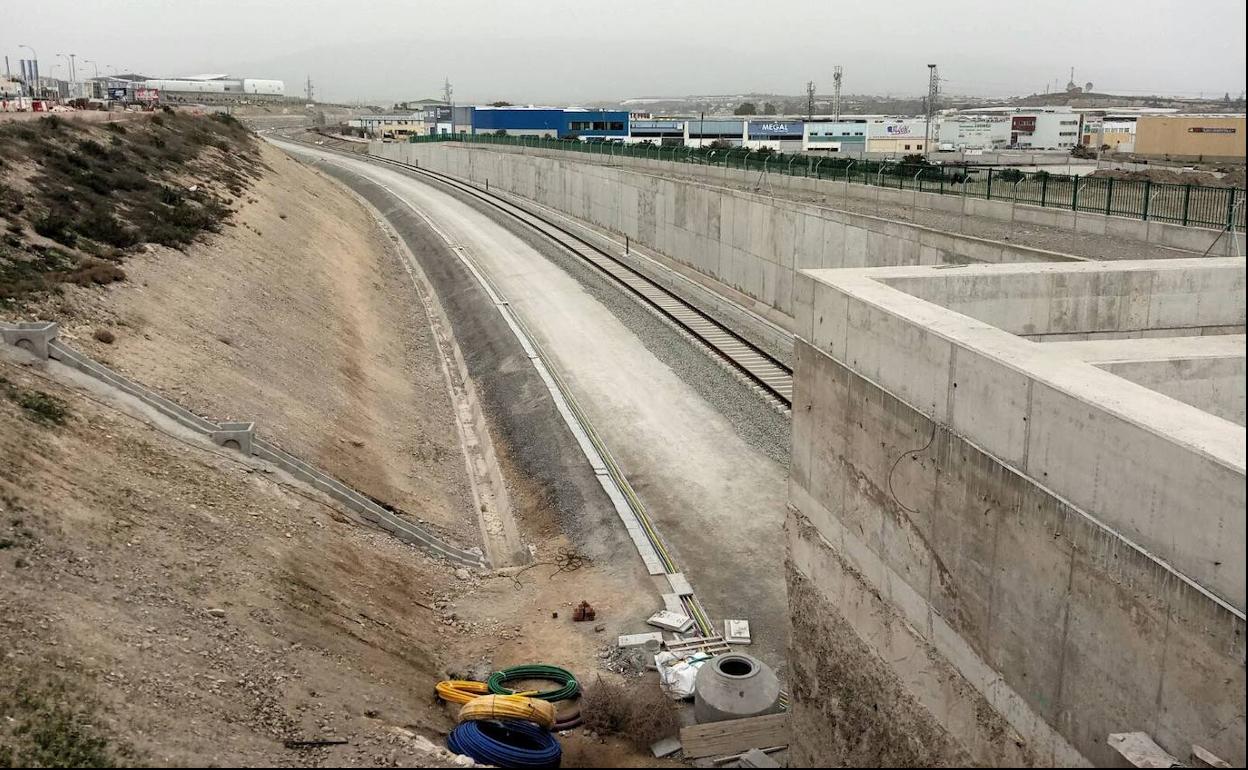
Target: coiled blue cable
<point>505,743</point>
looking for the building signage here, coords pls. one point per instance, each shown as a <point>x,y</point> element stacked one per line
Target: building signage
<point>900,130</point>
<point>147,94</point>
<point>443,114</point>
<point>774,130</point>
<point>1209,130</point>
<point>117,93</point>
<point>1024,124</point>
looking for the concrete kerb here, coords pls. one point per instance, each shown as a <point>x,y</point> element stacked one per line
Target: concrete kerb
<point>40,339</point>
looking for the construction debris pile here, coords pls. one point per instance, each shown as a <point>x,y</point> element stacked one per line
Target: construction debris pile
<point>738,716</point>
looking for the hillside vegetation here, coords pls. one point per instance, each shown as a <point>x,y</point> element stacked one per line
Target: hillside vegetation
<point>76,199</point>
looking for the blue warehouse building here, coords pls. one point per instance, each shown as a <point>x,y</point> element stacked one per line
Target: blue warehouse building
<point>550,122</point>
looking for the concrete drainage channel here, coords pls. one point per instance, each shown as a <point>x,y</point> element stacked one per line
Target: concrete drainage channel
<point>40,339</point>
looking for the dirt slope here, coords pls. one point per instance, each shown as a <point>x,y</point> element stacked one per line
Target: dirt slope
<point>116,539</point>
<point>300,318</point>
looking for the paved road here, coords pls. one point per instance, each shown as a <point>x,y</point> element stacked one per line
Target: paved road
<point>718,501</point>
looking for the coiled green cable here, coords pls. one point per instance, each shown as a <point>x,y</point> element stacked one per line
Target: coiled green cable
<point>499,679</point>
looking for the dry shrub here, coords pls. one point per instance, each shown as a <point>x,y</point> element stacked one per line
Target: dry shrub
<point>105,336</point>
<point>639,711</point>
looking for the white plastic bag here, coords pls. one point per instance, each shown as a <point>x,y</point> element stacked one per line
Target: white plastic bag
<point>677,673</point>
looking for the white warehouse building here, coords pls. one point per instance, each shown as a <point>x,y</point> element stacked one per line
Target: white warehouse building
<point>217,88</point>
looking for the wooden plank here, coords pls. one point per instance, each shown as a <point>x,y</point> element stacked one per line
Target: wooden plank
<point>735,736</point>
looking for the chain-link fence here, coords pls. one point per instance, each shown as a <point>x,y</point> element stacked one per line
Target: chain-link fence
<point>1184,204</point>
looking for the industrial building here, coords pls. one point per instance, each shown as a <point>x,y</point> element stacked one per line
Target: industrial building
<point>550,122</point>
<point>197,89</point>
<point>1191,137</point>
<point>973,132</point>
<point>1112,133</point>
<point>665,132</point>
<point>896,136</point>
<point>844,136</point>
<point>779,135</point>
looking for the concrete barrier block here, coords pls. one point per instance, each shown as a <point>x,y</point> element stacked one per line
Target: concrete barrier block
<point>31,336</point>
<point>235,435</point>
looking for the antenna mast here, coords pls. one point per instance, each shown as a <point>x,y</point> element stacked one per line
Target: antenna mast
<point>933,91</point>
<point>836,92</point>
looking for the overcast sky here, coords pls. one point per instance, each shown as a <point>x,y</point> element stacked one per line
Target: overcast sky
<point>526,51</point>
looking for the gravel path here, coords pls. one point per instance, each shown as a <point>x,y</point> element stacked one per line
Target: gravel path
<point>754,419</point>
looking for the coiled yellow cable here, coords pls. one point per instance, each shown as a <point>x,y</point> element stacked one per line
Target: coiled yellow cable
<point>460,690</point>
<point>540,712</point>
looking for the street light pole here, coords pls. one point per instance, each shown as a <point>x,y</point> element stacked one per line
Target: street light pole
<point>71,69</point>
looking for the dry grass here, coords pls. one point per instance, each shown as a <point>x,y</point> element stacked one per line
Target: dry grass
<point>95,194</point>
<point>639,712</point>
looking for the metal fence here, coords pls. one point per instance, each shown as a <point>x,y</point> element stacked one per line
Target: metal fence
<point>1188,205</point>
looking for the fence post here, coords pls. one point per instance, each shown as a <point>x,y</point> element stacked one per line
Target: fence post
<point>989,194</point>
<point>1044,190</point>
<point>1187,202</point>
<point>1109,195</point>
<point>1074,195</point>
<point>1230,210</point>
<point>1148,198</point>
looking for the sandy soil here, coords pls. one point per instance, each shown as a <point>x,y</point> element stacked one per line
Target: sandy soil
<point>118,541</point>
<point>301,319</point>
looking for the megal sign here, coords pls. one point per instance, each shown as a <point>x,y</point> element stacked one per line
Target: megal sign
<point>774,129</point>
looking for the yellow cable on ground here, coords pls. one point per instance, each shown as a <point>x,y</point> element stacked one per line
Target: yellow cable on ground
<point>460,690</point>
<point>540,712</point>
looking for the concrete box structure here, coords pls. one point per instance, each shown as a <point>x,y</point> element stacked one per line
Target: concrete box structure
<point>1004,546</point>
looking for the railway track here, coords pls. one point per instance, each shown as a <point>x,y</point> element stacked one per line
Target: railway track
<point>769,376</point>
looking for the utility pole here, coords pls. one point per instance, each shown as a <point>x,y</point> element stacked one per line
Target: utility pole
<point>810,99</point>
<point>836,92</point>
<point>933,89</point>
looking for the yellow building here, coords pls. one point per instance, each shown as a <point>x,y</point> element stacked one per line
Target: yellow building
<point>1191,137</point>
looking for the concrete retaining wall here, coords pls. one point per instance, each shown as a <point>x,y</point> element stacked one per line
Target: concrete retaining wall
<point>1196,239</point>
<point>978,590</point>
<point>752,244</point>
